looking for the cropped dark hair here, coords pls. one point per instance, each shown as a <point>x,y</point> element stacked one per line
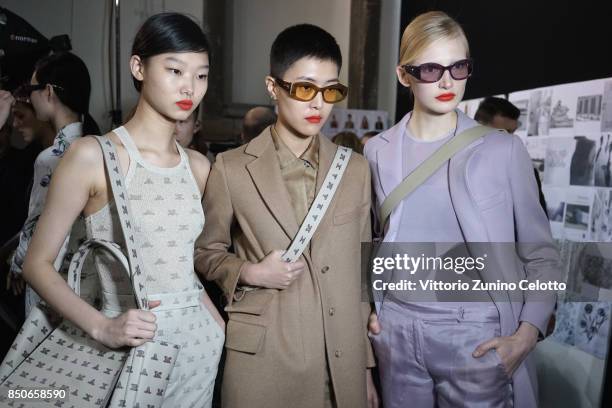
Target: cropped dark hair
<point>299,41</point>
<point>72,83</point>
<point>168,32</point>
<point>492,106</point>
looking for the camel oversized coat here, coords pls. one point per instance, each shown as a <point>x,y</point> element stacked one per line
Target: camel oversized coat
<point>280,342</point>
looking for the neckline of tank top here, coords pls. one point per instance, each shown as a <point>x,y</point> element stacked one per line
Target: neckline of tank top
<point>134,153</point>
<point>445,137</point>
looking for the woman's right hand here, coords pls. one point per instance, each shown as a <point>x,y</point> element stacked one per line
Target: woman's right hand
<point>374,324</point>
<point>132,328</point>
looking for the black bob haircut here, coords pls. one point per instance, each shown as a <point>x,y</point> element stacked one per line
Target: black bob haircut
<point>299,41</point>
<point>168,32</point>
<point>492,106</point>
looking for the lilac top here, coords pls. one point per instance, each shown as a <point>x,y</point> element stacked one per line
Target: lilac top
<point>427,213</point>
<point>428,217</point>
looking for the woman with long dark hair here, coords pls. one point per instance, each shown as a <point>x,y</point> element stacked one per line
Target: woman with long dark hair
<point>59,91</point>
<point>169,65</point>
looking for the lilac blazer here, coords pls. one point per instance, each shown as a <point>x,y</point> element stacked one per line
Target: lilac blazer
<point>494,193</point>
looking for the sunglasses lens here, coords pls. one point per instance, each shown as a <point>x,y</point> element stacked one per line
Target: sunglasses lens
<point>431,72</point>
<point>333,95</point>
<point>304,92</point>
<point>461,69</point>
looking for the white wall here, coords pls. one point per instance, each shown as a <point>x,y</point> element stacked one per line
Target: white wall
<point>255,25</point>
<point>86,22</point>
<point>258,22</point>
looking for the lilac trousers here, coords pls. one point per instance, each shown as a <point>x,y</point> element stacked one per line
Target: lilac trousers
<point>425,358</point>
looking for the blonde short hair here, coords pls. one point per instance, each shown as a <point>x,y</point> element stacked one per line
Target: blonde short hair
<point>424,30</point>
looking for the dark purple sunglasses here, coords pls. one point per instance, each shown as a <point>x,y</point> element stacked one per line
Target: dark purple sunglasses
<point>432,72</point>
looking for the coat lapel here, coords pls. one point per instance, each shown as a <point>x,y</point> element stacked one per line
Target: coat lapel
<point>389,157</point>
<point>389,161</point>
<point>468,215</point>
<point>266,175</point>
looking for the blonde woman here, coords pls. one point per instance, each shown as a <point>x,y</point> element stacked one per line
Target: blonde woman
<point>458,352</point>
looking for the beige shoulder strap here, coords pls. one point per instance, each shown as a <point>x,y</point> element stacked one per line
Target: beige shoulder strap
<point>428,167</point>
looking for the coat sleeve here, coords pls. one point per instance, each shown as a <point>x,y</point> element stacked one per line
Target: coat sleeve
<point>535,244</point>
<point>212,258</point>
<point>366,237</point>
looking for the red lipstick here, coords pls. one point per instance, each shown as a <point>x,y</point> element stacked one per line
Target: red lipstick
<point>185,104</point>
<point>446,97</point>
<point>314,119</point>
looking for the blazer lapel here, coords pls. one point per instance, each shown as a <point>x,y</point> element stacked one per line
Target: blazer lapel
<point>266,175</point>
<point>467,213</point>
<point>389,157</point>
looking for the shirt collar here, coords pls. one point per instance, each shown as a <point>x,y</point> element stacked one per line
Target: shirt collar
<point>286,156</point>
<point>69,133</point>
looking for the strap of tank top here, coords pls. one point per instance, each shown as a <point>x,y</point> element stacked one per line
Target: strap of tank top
<point>127,141</point>
<point>122,205</point>
<point>182,153</point>
<point>133,151</point>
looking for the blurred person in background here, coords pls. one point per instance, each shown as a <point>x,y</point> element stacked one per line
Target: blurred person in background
<point>350,140</point>
<point>255,121</point>
<point>502,114</point>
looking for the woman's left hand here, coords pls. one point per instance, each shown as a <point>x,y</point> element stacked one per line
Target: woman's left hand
<point>512,350</point>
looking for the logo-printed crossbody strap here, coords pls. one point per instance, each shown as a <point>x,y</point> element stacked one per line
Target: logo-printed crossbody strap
<point>122,205</point>
<point>319,206</point>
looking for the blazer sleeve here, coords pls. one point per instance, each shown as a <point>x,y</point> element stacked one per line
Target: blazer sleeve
<point>535,244</point>
<point>212,259</point>
<point>366,236</point>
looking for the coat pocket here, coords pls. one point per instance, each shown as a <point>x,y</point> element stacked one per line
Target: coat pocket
<point>254,302</point>
<point>350,215</point>
<point>244,337</point>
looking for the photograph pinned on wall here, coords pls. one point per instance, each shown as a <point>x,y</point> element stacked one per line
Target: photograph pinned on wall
<point>593,328</point>
<point>582,323</point>
<point>566,318</point>
<point>591,270</point>
<point>602,164</point>
<point>563,110</point>
<point>521,101</point>
<point>559,152</point>
<point>601,226</point>
<point>576,221</point>
<point>588,162</point>
<point>555,207</point>
<point>537,151</point>
<point>588,106</point>
<point>565,248</point>
<point>538,120</point>
<point>606,107</point>
<point>358,121</point>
